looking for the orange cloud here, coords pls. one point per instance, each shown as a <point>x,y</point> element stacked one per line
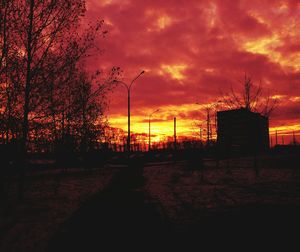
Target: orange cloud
<point>175,71</point>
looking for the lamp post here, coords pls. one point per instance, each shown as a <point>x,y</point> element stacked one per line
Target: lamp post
<point>128,88</point>
<point>149,144</point>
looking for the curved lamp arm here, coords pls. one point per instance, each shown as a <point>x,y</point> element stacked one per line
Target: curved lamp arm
<point>136,78</point>
<point>125,84</point>
<point>153,113</point>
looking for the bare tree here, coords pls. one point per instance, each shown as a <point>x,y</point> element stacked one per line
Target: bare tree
<point>252,98</point>
<point>42,52</point>
<point>38,28</point>
<point>10,66</point>
<point>5,14</point>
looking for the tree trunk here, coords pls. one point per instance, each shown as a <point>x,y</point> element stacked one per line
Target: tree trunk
<point>25,126</point>
<point>28,78</point>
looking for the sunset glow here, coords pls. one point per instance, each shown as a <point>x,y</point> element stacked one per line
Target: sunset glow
<point>193,52</point>
<point>148,123</point>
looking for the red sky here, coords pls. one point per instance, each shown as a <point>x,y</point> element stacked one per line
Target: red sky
<point>192,51</point>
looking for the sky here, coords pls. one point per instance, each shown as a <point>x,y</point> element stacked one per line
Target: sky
<point>194,51</point>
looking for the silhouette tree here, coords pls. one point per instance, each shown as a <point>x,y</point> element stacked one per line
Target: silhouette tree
<point>3,31</point>
<point>42,49</point>
<point>251,98</point>
<point>38,29</point>
<point>9,88</point>
<point>44,89</point>
<point>62,76</point>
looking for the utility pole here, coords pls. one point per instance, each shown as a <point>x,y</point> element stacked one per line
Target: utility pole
<point>200,134</point>
<point>128,118</point>
<point>276,139</point>
<point>149,140</point>
<point>175,141</point>
<point>149,136</point>
<point>208,125</point>
<point>294,138</point>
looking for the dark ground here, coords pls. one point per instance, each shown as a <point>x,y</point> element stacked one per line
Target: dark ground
<point>126,216</point>
<point>155,204</point>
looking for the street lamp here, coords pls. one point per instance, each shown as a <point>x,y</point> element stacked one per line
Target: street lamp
<point>128,87</point>
<point>149,145</point>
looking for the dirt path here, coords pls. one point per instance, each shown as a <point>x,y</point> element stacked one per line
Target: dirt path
<point>121,215</point>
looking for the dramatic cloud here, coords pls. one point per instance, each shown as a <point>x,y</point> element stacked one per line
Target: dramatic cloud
<point>194,50</point>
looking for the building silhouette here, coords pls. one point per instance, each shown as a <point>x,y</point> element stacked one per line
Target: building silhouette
<point>242,132</point>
